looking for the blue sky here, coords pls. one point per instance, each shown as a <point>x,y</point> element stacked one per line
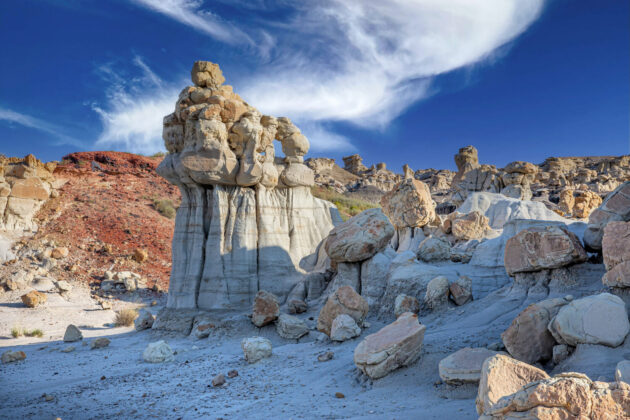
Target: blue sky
<point>394,80</point>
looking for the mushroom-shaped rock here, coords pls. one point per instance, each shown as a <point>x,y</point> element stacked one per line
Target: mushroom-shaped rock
<point>344,300</point>
<point>501,376</point>
<point>395,345</point>
<point>597,319</point>
<point>360,237</point>
<point>409,204</point>
<point>540,248</point>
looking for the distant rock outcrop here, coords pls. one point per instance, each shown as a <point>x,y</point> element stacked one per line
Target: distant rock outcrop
<point>25,185</point>
<point>247,217</point>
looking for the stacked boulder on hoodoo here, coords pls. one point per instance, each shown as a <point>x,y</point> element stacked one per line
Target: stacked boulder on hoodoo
<point>244,211</point>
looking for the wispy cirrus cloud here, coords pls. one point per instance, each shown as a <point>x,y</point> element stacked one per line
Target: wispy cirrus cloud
<point>328,60</point>
<point>25,120</point>
<point>133,110</point>
<point>190,12</point>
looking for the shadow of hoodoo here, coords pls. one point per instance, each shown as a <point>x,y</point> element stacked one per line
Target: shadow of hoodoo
<point>247,218</point>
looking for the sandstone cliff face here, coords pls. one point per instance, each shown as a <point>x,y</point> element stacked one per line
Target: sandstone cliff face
<point>25,184</point>
<point>247,217</point>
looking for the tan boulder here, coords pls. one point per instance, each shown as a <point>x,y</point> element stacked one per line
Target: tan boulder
<point>437,292</point>
<point>140,255</point>
<point>565,396</point>
<point>585,203</point>
<point>12,356</point>
<point>473,225</point>
<point>464,366</point>
<point>540,248</point>
<point>207,74</point>
<point>265,309</point>
<point>409,204</point>
<point>34,298</point>
<point>616,207</point>
<point>616,244</point>
<point>618,276</point>
<point>405,303</point>
<point>60,252</point>
<point>360,237</point>
<point>344,300</point>
<point>616,250</point>
<point>502,376</point>
<point>460,290</point>
<point>395,345</point>
<point>527,338</point>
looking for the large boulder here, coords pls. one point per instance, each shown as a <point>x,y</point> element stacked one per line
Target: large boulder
<point>158,352</point>
<point>597,319</point>
<point>434,248</point>
<point>256,349</point>
<point>344,300</point>
<point>72,334</point>
<point>265,309</point>
<point>501,376</point>
<point>395,345</point>
<point>360,237</point>
<point>464,366</point>
<point>34,298</point>
<point>527,338</point>
<point>565,396</point>
<point>436,296</point>
<point>540,248</point>
<point>343,328</point>
<point>290,327</point>
<point>616,250</point>
<point>473,225</point>
<point>409,204</point>
<point>616,207</point>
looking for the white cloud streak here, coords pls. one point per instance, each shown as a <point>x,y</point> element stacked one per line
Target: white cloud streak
<point>189,13</point>
<point>38,124</point>
<point>332,60</point>
<point>379,57</point>
<point>132,115</point>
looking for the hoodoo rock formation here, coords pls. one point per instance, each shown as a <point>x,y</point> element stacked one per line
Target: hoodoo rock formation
<point>247,217</point>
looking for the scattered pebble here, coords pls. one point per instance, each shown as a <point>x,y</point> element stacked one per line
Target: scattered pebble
<point>218,380</point>
<point>68,349</point>
<point>99,343</point>
<point>324,357</point>
<point>339,395</point>
<point>232,374</point>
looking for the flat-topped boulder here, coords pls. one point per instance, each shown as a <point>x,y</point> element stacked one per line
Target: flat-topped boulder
<point>540,248</point>
<point>395,345</point>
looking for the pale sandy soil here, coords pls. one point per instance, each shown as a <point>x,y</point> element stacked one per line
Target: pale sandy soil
<point>292,384</point>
